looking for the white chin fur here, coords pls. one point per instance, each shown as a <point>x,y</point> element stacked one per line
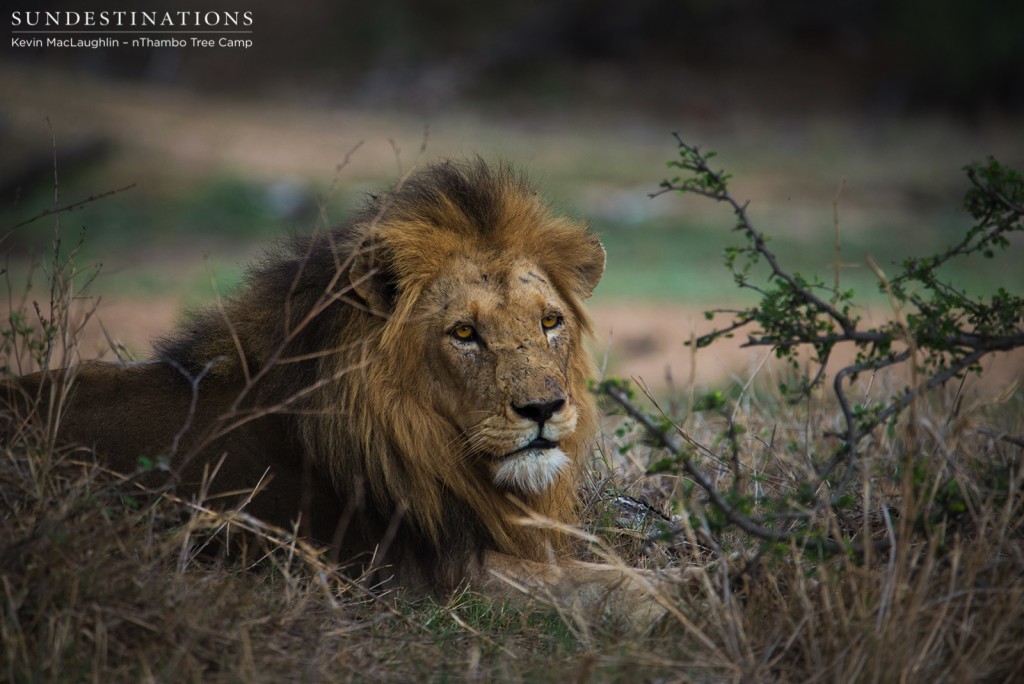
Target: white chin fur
<point>531,472</point>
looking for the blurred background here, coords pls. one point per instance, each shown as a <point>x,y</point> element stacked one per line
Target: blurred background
<point>874,106</point>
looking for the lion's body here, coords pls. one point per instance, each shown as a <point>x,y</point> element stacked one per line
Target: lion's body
<point>409,383</point>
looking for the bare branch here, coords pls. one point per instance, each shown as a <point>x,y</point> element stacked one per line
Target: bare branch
<point>745,523</point>
<point>69,207</point>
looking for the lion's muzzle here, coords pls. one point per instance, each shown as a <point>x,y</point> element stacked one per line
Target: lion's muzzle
<point>530,470</point>
<point>537,444</point>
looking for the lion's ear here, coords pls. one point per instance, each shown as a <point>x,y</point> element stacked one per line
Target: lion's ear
<point>589,265</point>
<point>371,280</point>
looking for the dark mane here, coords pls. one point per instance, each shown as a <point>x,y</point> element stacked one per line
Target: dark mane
<point>476,190</point>
<point>292,279</point>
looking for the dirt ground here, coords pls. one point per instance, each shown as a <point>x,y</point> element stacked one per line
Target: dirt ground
<point>645,342</point>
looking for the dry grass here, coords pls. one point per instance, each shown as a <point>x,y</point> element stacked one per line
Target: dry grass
<point>102,581</point>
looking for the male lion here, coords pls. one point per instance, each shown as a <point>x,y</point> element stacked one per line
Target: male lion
<point>403,388</point>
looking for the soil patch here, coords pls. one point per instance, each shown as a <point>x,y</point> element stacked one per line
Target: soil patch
<point>646,342</point>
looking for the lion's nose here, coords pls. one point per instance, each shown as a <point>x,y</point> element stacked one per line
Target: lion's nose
<point>540,411</point>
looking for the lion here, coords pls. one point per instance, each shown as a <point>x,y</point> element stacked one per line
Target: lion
<point>403,389</point>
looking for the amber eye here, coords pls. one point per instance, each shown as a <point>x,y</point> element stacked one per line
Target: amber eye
<point>464,332</point>
<point>551,321</point>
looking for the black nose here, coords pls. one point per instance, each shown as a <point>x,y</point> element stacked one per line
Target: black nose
<point>540,412</point>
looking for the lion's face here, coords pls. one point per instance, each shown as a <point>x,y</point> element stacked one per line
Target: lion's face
<point>498,348</point>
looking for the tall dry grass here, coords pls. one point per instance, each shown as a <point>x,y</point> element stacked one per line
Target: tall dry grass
<point>101,580</point>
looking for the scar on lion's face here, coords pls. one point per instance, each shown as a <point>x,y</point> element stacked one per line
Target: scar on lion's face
<point>501,339</point>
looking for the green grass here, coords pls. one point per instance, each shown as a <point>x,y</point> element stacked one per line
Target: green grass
<point>152,243</point>
<point>676,260</point>
<point>223,207</point>
<point>189,242</point>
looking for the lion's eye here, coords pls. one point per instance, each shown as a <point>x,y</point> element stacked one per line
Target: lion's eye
<point>464,332</point>
<point>551,321</point>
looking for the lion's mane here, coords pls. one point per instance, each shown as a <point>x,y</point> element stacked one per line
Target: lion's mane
<point>325,329</point>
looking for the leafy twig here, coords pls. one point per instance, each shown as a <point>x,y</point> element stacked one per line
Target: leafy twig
<point>952,330</point>
<point>945,333</point>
